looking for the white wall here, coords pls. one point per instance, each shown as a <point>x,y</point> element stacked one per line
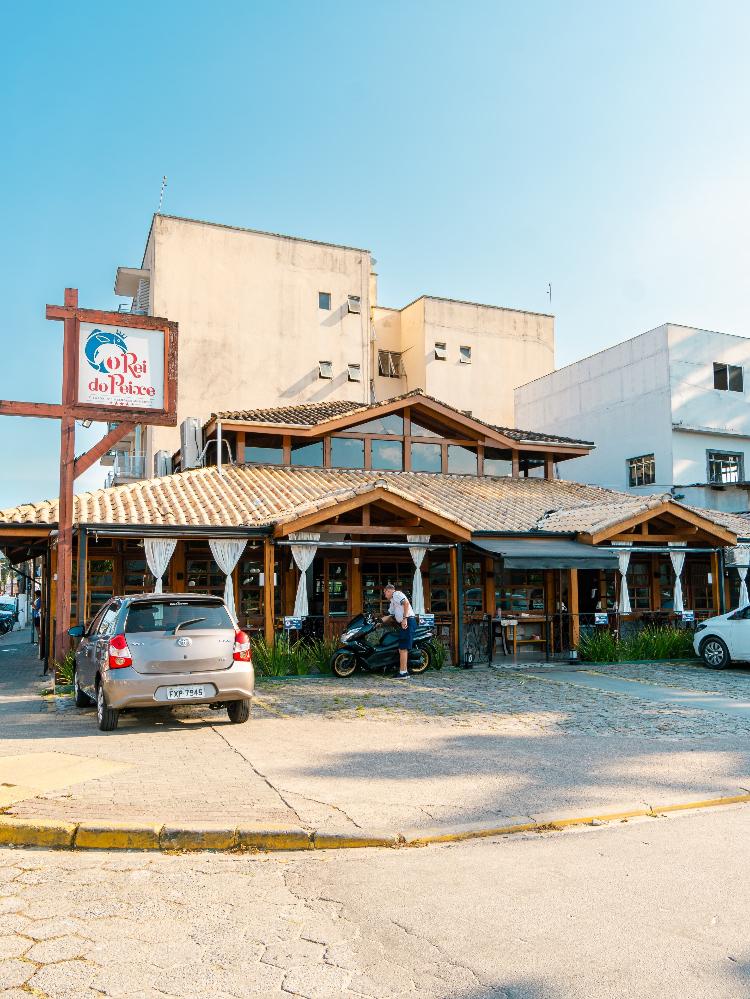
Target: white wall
<point>618,398</point>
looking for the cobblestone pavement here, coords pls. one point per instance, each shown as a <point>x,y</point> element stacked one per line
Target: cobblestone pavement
<point>638,909</point>
<point>449,747</point>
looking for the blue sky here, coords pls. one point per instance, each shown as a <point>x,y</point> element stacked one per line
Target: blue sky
<point>481,150</point>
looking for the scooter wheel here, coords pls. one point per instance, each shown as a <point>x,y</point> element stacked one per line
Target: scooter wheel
<point>344,664</point>
<point>423,662</point>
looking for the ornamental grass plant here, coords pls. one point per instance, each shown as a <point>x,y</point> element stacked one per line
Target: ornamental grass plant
<point>651,643</point>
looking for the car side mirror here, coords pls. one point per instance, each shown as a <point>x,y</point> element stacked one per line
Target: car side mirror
<point>76,631</point>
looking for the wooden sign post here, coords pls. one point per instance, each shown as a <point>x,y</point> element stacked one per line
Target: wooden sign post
<point>113,382</point>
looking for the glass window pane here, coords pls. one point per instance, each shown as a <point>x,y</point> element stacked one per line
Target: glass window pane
<point>347,452</point>
<point>324,300</point>
<point>390,423</point>
<point>497,462</point>
<point>307,453</point>
<point>420,430</point>
<point>388,455</point>
<point>462,460</point>
<point>264,449</point>
<point>735,378</point>
<point>720,376</point>
<point>426,457</point>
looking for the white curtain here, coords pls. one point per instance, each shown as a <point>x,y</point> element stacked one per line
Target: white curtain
<point>678,561</point>
<point>623,559</point>
<point>418,549</point>
<point>303,556</point>
<point>742,572</point>
<point>226,553</point>
<point>158,553</point>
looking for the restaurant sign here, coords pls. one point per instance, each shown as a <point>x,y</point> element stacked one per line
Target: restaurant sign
<point>121,366</point>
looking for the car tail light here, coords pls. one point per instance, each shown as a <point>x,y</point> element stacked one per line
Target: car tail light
<point>242,647</point>
<point>119,653</point>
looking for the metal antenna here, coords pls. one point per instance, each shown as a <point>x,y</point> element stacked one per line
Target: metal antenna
<point>549,285</point>
<point>161,193</point>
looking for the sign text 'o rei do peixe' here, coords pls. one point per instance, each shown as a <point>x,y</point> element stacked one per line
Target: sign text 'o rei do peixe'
<point>120,366</point>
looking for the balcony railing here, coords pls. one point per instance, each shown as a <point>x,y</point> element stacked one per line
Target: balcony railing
<point>127,468</point>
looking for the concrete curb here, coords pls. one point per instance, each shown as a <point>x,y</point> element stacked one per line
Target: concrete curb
<point>191,837</point>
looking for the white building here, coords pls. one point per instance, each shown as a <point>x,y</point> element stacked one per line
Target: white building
<point>272,320</point>
<point>667,410</point>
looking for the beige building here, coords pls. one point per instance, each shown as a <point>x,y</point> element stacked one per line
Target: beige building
<point>271,320</point>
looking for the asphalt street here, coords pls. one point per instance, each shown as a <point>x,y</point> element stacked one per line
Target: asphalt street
<point>655,907</point>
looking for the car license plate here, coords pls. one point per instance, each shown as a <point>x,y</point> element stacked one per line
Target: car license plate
<point>184,693</point>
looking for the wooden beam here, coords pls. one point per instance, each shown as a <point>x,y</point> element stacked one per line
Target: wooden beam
<point>83,578</point>
<point>268,590</point>
<point>90,457</point>
<point>549,466</point>
<point>107,318</point>
<point>715,582</point>
<point>398,529</point>
<point>653,538</point>
<point>515,464</point>
<point>355,584</point>
<point>453,557</point>
<point>575,621</point>
<point>680,514</point>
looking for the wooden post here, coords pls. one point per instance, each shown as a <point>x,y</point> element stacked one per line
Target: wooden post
<point>575,622</point>
<point>355,583</point>
<point>83,576</point>
<point>515,465</point>
<point>453,558</point>
<point>549,466</point>
<point>67,459</point>
<point>268,589</point>
<point>489,586</point>
<point>716,582</point>
<point>654,579</point>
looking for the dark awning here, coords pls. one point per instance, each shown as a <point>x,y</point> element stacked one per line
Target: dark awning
<point>552,553</point>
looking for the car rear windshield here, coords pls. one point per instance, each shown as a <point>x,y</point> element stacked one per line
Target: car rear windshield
<point>166,615</point>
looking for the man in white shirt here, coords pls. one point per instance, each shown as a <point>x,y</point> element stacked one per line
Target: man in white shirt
<point>401,612</point>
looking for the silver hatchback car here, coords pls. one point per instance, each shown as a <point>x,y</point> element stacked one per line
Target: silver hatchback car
<point>158,649</point>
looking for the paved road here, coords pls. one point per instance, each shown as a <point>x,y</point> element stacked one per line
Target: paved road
<point>452,747</point>
<point>656,908</point>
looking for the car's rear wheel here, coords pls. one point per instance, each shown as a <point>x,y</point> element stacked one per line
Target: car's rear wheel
<point>344,663</point>
<point>238,711</point>
<point>715,653</point>
<point>423,662</point>
<point>82,699</point>
<point>106,717</point>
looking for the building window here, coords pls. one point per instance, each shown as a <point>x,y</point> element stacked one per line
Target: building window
<point>462,460</point>
<point>426,458</point>
<point>641,470</point>
<point>389,364</point>
<point>307,453</point>
<point>264,449</point>
<point>347,452</point>
<point>725,467</point>
<point>355,373</point>
<point>391,423</point>
<point>324,300</point>
<point>325,369</point>
<point>639,585</point>
<point>497,462</point>
<point>464,355</point>
<point>728,377</point>
<point>387,455</point>
<point>441,352</point>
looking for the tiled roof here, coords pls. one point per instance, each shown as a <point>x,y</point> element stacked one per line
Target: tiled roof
<point>313,414</point>
<point>262,496</point>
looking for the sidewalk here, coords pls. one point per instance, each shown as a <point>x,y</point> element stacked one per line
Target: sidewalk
<point>448,749</point>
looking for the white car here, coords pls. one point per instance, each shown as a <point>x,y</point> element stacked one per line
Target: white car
<point>721,639</point>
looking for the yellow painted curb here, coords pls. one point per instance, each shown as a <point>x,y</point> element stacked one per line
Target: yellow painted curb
<point>347,841</point>
<point>197,837</point>
<point>111,835</point>
<point>268,838</point>
<point>105,835</point>
<point>36,832</point>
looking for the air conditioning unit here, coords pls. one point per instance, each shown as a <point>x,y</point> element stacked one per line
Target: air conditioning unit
<point>162,463</point>
<point>354,304</point>
<point>191,442</point>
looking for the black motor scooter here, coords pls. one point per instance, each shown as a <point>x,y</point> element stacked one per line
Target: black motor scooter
<point>372,646</point>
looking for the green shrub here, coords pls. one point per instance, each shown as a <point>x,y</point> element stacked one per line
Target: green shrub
<point>438,653</point>
<point>320,652</point>
<point>65,669</point>
<point>652,642</point>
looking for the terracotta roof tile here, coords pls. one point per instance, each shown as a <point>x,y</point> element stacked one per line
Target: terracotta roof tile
<point>261,496</point>
<point>313,414</point>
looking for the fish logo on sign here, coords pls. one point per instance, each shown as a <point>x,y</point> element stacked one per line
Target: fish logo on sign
<point>101,350</point>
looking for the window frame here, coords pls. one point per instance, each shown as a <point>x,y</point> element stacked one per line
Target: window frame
<point>463,356</point>
<point>441,351</point>
<point>324,366</point>
<point>327,296</point>
<point>728,373</point>
<point>631,468</point>
<point>714,457</point>
<point>393,370</point>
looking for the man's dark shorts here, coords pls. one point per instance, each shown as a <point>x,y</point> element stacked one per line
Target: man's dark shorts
<point>406,635</point>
